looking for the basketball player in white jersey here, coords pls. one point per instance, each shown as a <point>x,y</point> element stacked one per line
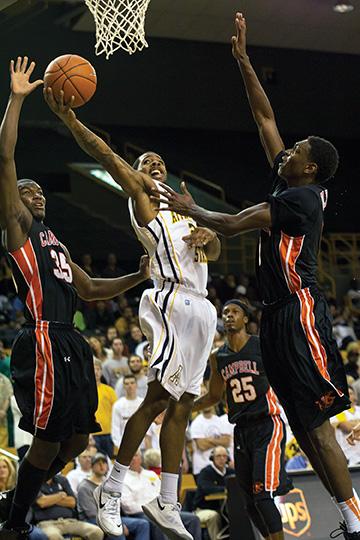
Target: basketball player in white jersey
<point>176,318</point>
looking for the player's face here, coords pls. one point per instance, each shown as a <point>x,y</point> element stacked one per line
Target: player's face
<point>154,166</point>
<point>32,196</point>
<point>295,162</point>
<point>234,318</point>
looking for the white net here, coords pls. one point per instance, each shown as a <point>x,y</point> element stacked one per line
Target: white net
<point>119,24</point>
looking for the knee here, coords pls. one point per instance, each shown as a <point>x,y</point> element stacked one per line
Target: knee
<point>52,532</point>
<point>323,438</point>
<point>42,453</point>
<point>153,408</point>
<point>95,533</point>
<point>181,410</point>
<point>73,447</point>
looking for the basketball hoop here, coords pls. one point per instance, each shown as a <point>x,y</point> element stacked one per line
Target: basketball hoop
<point>119,24</point>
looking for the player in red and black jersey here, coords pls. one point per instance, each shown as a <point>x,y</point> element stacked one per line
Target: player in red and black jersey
<point>259,434</point>
<point>51,363</point>
<point>299,353</point>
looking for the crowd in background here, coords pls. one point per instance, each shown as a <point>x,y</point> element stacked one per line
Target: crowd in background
<point>121,356</point>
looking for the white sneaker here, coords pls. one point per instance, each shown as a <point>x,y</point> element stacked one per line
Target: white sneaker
<point>108,511</point>
<point>167,517</point>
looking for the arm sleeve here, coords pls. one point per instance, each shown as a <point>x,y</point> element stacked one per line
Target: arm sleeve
<point>66,486</point>
<point>295,210</point>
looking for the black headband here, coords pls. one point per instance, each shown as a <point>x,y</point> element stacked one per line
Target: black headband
<point>242,305</point>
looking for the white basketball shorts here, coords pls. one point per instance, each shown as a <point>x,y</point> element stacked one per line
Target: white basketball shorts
<point>180,326</point>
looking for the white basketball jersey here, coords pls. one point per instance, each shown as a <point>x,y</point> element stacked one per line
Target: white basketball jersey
<point>170,257</point>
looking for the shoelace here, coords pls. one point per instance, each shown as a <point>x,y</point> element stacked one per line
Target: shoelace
<point>112,506</point>
<point>339,531</point>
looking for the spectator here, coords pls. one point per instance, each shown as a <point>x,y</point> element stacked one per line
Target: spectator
<point>112,269</point>
<point>152,460</point>
<point>352,297</point>
<point>87,265</point>
<point>344,424</point>
<point>297,461</point>
<point>6,391</point>
<point>107,397</point>
<point>111,333</point>
<point>142,486</point>
<point>212,480</point>
<point>100,317</point>
<point>135,339</point>
<point>4,361</point>
<point>82,471</point>
<point>97,348</point>
<point>7,474</point>
<point>136,368</point>
<point>343,328</point>
<point>124,408</point>
<point>22,439</point>
<point>152,438</point>
<point>117,365</point>
<point>137,527</point>
<point>207,431</point>
<point>54,512</point>
<point>125,320</point>
<point>353,360</point>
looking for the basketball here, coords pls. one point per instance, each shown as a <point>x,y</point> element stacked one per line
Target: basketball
<point>72,74</point>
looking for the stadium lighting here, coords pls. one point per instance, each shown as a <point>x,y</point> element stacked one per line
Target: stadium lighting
<point>343,6</point>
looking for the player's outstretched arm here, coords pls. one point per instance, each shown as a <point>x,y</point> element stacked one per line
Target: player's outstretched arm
<point>13,214</point>
<point>253,218</point>
<point>216,388</point>
<point>103,289</point>
<point>130,180</point>
<point>259,103</point>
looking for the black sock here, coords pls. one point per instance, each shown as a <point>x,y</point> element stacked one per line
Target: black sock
<point>57,466</point>
<point>29,482</point>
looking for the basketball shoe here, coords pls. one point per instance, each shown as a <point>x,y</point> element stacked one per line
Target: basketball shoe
<point>108,511</point>
<point>167,518</point>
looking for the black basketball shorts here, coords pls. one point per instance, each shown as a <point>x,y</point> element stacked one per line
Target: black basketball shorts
<point>259,451</point>
<point>54,382</point>
<point>302,361</point>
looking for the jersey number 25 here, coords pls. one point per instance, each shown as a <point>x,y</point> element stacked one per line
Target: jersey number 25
<point>243,389</point>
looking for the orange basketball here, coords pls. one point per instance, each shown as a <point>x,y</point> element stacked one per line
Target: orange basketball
<point>72,74</point>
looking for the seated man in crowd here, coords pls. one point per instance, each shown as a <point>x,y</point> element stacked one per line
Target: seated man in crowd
<point>107,397</point>
<point>124,408</point>
<point>138,528</point>
<point>136,368</point>
<point>81,471</point>
<point>208,431</point>
<point>54,512</point>
<point>116,366</point>
<point>211,480</point>
<point>142,486</point>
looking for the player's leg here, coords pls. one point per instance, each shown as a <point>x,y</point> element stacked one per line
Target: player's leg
<point>32,473</point>
<point>269,477</point>
<point>164,510</point>
<point>69,449</point>
<point>107,495</point>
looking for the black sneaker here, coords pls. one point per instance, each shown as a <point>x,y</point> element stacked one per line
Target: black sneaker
<point>343,530</point>
<point>6,498</point>
<point>17,533</point>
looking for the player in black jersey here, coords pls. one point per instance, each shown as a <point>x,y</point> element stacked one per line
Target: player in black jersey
<point>51,363</point>
<point>299,353</point>
<point>259,434</point>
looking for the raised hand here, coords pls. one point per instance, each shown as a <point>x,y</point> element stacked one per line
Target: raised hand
<point>199,237</point>
<point>144,267</point>
<point>238,42</point>
<point>177,202</point>
<point>20,74</point>
<point>61,109</point>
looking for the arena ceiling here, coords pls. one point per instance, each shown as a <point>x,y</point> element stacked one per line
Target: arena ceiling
<point>297,24</point>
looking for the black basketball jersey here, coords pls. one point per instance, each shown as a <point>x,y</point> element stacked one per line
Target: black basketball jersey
<point>288,251</point>
<point>43,277</point>
<point>249,395</point>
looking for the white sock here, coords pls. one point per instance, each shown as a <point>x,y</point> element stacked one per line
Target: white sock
<point>116,478</point>
<point>168,490</point>
<point>350,511</point>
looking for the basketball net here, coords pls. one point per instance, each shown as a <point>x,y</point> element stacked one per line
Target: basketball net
<point>119,24</point>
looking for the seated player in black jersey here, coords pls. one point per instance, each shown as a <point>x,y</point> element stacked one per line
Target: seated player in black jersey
<point>51,363</point>
<point>259,434</point>
<point>299,353</point>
